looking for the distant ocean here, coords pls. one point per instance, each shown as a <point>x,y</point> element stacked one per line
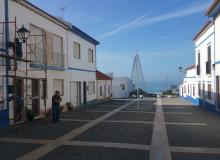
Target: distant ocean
<point>158,87</point>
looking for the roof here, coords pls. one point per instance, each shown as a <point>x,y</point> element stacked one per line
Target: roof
<point>190,67</point>
<point>214,5</point>
<point>58,21</point>
<point>205,27</point>
<point>102,76</point>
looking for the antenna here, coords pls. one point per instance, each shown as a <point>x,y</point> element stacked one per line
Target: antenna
<point>63,8</point>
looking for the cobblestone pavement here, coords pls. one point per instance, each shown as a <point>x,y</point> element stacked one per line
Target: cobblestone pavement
<point>155,129</point>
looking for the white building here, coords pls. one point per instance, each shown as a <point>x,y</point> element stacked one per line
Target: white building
<point>204,60</point>
<point>104,86</point>
<point>62,57</point>
<point>188,88</point>
<point>207,60</point>
<point>121,87</point>
<point>213,13</point>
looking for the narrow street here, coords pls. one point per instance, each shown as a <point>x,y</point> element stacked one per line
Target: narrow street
<point>157,129</point>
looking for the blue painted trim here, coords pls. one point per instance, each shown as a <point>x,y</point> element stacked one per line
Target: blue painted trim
<point>73,29</point>
<point>205,39</point>
<point>195,101</point>
<point>2,50</point>
<point>33,65</point>
<point>215,11</point>
<point>78,69</point>
<point>83,35</point>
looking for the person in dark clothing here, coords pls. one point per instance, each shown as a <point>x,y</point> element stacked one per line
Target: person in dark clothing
<point>56,99</point>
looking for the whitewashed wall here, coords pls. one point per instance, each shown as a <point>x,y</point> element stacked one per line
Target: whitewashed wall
<point>201,44</point>
<point>117,92</point>
<point>102,83</point>
<point>217,44</point>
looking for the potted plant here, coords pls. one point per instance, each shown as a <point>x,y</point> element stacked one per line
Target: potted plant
<point>69,106</point>
<point>29,114</point>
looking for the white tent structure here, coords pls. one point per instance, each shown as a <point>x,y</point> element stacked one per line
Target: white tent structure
<point>137,74</point>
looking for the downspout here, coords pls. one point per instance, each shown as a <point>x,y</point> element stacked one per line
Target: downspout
<point>7,53</point>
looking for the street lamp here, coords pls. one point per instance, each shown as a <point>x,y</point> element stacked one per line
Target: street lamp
<point>23,34</point>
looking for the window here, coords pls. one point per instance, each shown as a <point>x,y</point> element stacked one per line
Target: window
<point>184,89</point>
<point>122,87</point>
<point>1,93</point>
<point>188,88</point>
<point>209,96</point>
<point>43,89</point>
<point>77,50</point>
<point>199,90</point>
<point>100,91</point>
<point>208,62</point>
<point>91,88</point>
<point>57,55</point>
<point>193,90</point>
<point>37,44</point>
<point>209,53</point>
<point>90,56</point>
<point>58,85</point>
<point>198,58</point>
<point>109,90</point>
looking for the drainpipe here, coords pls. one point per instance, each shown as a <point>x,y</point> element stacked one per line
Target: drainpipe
<point>7,53</point>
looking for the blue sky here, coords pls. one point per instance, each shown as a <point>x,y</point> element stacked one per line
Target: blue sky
<point>160,31</point>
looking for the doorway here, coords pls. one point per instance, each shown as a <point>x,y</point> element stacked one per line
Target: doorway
<point>75,93</point>
<point>84,93</point>
<point>36,97</point>
<point>19,103</point>
<point>217,93</point>
<point>203,94</point>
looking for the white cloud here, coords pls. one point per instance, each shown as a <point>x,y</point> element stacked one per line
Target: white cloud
<point>125,26</point>
<point>145,20</point>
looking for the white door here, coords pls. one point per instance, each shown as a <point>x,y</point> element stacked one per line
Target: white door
<point>75,93</point>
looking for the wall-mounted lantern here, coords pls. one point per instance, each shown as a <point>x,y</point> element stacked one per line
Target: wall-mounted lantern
<point>23,34</point>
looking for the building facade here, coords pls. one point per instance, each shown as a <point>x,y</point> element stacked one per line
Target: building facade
<point>121,87</point>
<point>56,56</point>
<point>207,60</point>
<point>104,86</point>
<point>188,89</point>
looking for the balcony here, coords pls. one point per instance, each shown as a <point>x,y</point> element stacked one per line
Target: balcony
<point>57,60</point>
<point>198,70</point>
<point>41,58</point>
<point>208,67</point>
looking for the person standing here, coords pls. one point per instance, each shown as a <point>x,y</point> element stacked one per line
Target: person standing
<point>56,99</point>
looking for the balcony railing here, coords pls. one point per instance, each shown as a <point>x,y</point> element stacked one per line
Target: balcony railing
<point>40,56</point>
<point>198,70</point>
<point>208,67</point>
<point>57,59</point>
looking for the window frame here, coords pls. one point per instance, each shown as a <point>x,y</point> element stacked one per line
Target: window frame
<point>74,49</point>
<point>92,53</point>
<point>209,91</point>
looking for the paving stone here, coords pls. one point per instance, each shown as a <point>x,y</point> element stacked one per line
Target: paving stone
<point>194,136</point>
<point>9,151</point>
<point>95,153</point>
<point>118,132</point>
<point>189,118</point>
<point>193,156</point>
<point>38,130</point>
<point>82,115</point>
<point>132,116</point>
